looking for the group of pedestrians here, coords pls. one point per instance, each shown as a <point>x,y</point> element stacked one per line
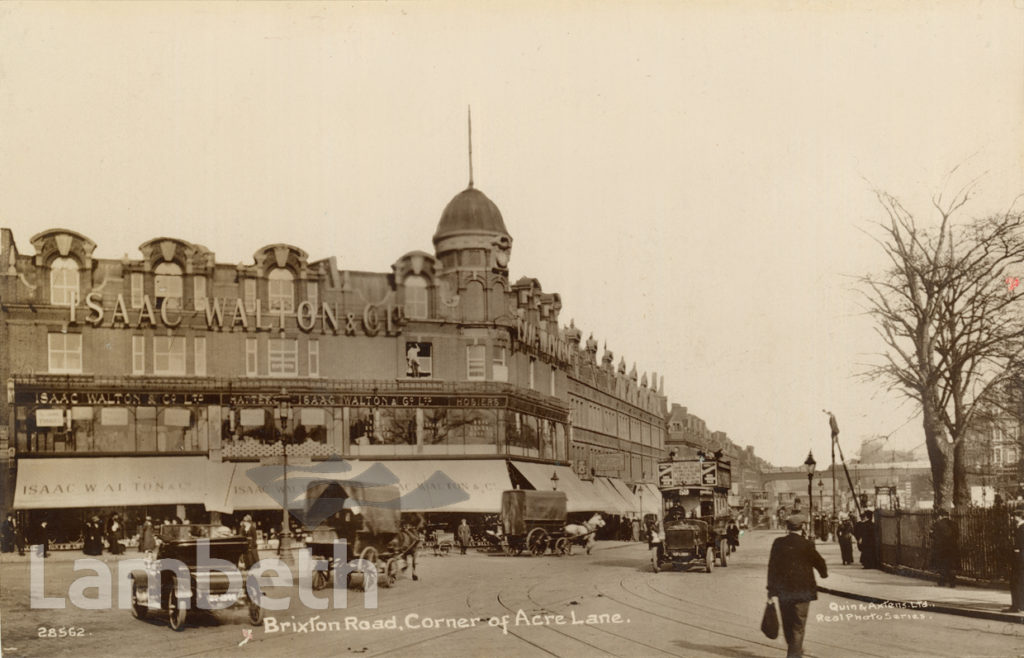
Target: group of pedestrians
<point>12,536</point>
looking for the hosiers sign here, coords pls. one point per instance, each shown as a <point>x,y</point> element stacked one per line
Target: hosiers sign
<point>224,313</point>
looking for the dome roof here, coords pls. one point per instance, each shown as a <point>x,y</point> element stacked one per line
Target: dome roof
<point>470,212</point>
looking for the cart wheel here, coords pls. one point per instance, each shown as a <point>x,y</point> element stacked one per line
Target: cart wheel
<point>562,546</point>
<point>139,610</point>
<point>369,554</point>
<point>724,551</point>
<point>321,578</point>
<point>252,592</point>
<point>175,613</point>
<point>537,541</point>
<point>390,572</point>
<point>709,559</point>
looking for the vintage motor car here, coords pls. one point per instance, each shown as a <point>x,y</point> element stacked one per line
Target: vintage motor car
<point>174,581</point>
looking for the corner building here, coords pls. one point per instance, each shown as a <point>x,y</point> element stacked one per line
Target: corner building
<point>165,384</point>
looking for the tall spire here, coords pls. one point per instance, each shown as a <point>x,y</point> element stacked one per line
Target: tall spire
<point>469,116</point>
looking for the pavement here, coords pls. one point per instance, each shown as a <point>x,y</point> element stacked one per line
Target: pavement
<point>848,581</point>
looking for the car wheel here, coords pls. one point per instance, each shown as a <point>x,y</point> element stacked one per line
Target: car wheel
<point>254,595</point>
<point>709,559</point>
<point>724,552</point>
<point>176,613</point>
<point>139,610</point>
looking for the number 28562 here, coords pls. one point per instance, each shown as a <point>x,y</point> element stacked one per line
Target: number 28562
<point>63,631</point>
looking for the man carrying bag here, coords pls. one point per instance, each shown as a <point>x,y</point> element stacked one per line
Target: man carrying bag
<point>791,568</point>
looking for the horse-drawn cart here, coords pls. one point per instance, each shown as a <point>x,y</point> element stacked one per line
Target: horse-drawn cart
<point>367,519</point>
<point>533,521</point>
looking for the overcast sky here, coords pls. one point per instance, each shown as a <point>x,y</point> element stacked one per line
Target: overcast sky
<point>694,178</point>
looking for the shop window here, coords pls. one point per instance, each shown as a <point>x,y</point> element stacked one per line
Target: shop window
<point>138,355</point>
<point>312,293</point>
<point>168,355</point>
<point>416,300</point>
<point>65,353</point>
<point>481,429</point>
<point>167,284</point>
<point>137,289</point>
<point>499,367</point>
<point>281,289</point>
<point>397,426</point>
<point>311,425</point>
<point>283,357</point>
<point>418,359</point>
<point>361,427</point>
<point>476,362</point>
<point>313,355</point>
<point>249,294</point>
<point>200,355</point>
<point>251,357</point>
<point>63,281</point>
<point>199,293</point>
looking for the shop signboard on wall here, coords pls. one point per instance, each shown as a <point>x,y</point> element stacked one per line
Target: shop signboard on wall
<point>609,464</point>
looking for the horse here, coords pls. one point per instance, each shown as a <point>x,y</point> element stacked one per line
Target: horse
<point>404,546</point>
<point>584,534</point>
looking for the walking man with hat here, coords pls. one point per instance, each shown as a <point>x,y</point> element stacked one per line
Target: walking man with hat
<point>791,568</point>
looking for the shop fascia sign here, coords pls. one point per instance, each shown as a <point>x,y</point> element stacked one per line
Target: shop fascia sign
<point>375,319</point>
<point>535,338</point>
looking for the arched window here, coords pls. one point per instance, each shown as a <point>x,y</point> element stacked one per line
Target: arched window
<point>282,289</point>
<point>416,305</point>
<point>63,281</point>
<point>167,284</point>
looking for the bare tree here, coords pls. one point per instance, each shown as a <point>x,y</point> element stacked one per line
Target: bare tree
<point>951,325</point>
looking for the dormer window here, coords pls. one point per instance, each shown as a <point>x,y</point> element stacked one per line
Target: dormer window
<point>416,302</point>
<point>63,281</point>
<point>281,290</point>
<point>168,284</point>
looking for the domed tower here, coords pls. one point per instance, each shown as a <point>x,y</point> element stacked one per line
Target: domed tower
<point>473,245</point>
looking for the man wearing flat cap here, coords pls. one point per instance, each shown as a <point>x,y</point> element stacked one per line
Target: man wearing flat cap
<point>248,530</point>
<point>791,568</point>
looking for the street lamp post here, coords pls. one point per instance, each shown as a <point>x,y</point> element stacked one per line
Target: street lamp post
<point>810,464</point>
<point>283,411</point>
<point>554,481</point>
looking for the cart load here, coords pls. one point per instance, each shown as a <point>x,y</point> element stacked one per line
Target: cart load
<point>533,520</point>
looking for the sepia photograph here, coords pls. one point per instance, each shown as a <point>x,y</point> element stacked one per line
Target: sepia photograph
<point>457,329</point>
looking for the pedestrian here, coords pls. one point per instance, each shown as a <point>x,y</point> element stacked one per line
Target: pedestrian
<point>732,535</point>
<point>7,531</point>
<point>115,531</point>
<point>41,537</point>
<point>845,534</point>
<point>147,537</point>
<point>636,529</point>
<point>865,533</point>
<point>252,553</point>
<point>93,536</point>
<point>465,536</point>
<point>1017,563</point>
<point>791,567</point>
<point>945,548</point>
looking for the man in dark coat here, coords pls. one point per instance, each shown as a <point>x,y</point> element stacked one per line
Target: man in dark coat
<point>7,534</point>
<point>1017,563</point>
<point>248,530</point>
<point>791,568</point>
<point>41,537</point>
<point>945,548</point>
<point>115,532</point>
<point>464,535</point>
<point>93,536</point>
<point>845,534</point>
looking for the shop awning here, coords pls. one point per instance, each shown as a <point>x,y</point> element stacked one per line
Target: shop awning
<point>616,505</point>
<point>580,497</point>
<point>424,486</point>
<point>110,481</point>
<point>632,501</point>
<point>625,505</point>
<point>650,498</point>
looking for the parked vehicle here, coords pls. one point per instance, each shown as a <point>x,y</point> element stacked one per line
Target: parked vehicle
<point>182,584</point>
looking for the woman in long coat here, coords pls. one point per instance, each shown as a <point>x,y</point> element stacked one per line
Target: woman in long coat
<point>93,536</point>
<point>845,534</point>
<point>147,538</point>
<point>464,535</point>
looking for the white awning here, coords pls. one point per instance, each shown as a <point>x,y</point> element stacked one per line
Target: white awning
<point>650,497</point>
<point>622,506</point>
<point>473,485</point>
<point>632,501</point>
<point>580,497</point>
<point>67,482</point>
